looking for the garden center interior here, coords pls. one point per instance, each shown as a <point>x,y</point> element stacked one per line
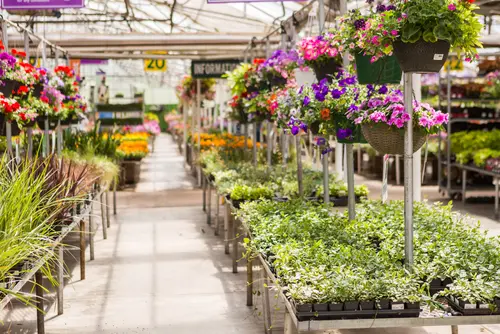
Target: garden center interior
<point>250,166</point>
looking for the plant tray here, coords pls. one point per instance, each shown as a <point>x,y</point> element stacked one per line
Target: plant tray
<point>308,312</point>
<point>471,309</point>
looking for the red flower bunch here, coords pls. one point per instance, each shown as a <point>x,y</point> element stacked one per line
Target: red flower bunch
<point>23,90</point>
<point>9,106</point>
<point>234,101</point>
<point>66,70</point>
<point>258,61</point>
<point>18,53</point>
<point>44,99</point>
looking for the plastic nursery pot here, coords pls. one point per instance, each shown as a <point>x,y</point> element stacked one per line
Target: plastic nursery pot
<point>365,306</point>
<point>383,304</point>
<point>336,306</point>
<point>40,120</point>
<point>304,307</point>
<point>387,140</point>
<point>8,87</point>
<point>320,307</point>
<point>326,69</point>
<point>3,126</point>
<point>421,56</point>
<point>37,90</point>
<point>447,281</point>
<point>314,127</point>
<point>351,306</point>
<point>386,70</point>
<point>412,306</point>
<point>344,126</point>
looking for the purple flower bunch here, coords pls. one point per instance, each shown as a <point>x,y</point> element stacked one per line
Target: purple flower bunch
<point>387,106</point>
<point>296,125</point>
<point>7,63</point>
<point>282,63</point>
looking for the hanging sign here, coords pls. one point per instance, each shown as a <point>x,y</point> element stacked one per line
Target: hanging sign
<point>455,63</point>
<point>155,65</point>
<point>37,62</point>
<point>212,68</point>
<point>239,1</point>
<point>38,4</point>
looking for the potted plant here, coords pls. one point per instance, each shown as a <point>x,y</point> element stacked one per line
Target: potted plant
<point>119,95</point>
<point>51,108</point>
<point>7,67</point>
<point>278,68</point>
<point>356,32</point>
<point>11,111</point>
<point>420,33</point>
<point>322,54</point>
<point>383,118</point>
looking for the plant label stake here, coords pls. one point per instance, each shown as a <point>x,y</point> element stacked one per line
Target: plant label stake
<point>408,168</point>
<point>351,197</point>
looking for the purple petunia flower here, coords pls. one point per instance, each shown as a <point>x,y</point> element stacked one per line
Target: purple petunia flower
<point>381,8</point>
<point>306,101</point>
<point>320,141</point>
<point>336,94</point>
<point>344,133</point>
<point>383,90</point>
<point>295,130</point>
<point>326,150</point>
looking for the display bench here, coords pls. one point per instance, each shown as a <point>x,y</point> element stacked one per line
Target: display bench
<point>82,214</point>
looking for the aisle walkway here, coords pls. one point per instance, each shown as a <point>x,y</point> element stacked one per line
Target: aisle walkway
<point>163,271</point>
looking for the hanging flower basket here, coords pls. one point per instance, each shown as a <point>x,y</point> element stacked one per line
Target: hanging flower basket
<point>41,122</point>
<point>384,71</point>
<point>327,69</point>
<point>9,86</point>
<point>346,131</point>
<point>3,126</point>
<point>314,127</point>
<point>37,90</point>
<point>276,81</point>
<point>387,140</point>
<point>421,56</point>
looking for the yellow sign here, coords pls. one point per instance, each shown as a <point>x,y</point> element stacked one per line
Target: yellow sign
<point>35,61</point>
<point>456,64</point>
<point>155,65</point>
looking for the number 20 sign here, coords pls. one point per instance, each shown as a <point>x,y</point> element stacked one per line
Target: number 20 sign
<point>155,65</point>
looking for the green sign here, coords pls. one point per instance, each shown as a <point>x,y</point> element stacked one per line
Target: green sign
<point>212,68</point>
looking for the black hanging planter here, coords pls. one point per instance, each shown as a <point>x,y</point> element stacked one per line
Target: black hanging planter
<point>41,122</point>
<point>37,90</point>
<point>314,127</point>
<point>3,126</point>
<point>9,86</point>
<point>421,56</point>
<point>276,81</point>
<point>326,70</point>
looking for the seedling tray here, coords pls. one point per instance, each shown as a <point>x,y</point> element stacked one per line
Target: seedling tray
<point>467,309</point>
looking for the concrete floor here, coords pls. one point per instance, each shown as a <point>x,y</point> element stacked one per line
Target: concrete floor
<point>162,270</point>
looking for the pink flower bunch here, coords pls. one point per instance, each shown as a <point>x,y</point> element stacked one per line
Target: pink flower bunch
<point>387,106</point>
<point>312,49</point>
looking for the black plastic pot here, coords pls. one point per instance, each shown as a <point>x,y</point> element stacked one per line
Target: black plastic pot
<point>384,304</point>
<point>314,127</point>
<point>436,282</point>
<point>351,306</point>
<point>237,203</point>
<point>462,303</point>
<point>304,308</point>
<point>366,306</point>
<point>320,307</point>
<point>277,81</point>
<point>15,130</point>
<point>412,306</point>
<point>37,90</point>
<point>41,122</point>
<point>422,56</point>
<point>8,87</point>
<point>336,306</point>
<point>447,281</point>
<point>327,69</point>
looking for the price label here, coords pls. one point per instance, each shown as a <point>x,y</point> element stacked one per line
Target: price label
<point>155,65</point>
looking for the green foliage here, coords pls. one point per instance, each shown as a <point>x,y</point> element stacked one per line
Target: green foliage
<point>241,192</point>
<point>476,146</point>
<point>93,142</point>
<point>320,256</point>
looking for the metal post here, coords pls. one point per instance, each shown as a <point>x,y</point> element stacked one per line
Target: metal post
<point>108,220</point>
<point>227,223</point>
<point>249,280</point>
<point>299,165</point>
<point>46,141</point>
<point>5,35</point>
<point>209,202</point>
<point>114,196</point>
<point>82,249</point>
<point>269,144</point>
<point>8,133</point>
<point>59,137</point>
<point>326,179</point>
<point>321,15</point>
<point>448,130</point>
<point>351,202</point>
<point>408,177</point>
<point>496,180</point>
<point>60,279</point>
<point>26,45</point>
<point>29,133</point>
<point>464,184</point>
<point>198,114</point>
<point>398,169</point>
<point>235,236</point>
<point>217,212</point>
<point>254,144</point>
<point>339,164</point>
<point>103,217</point>
<point>417,156</point>
<point>40,317</point>
<point>91,229</point>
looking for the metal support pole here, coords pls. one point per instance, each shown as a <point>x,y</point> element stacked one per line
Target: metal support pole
<point>209,202</point>
<point>46,141</point>
<point>91,230</point>
<point>245,147</point>
<point>26,45</point>
<point>103,217</point>
<point>5,35</point>
<point>185,133</point>
<point>321,15</point>
<point>59,137</point>
<point>464,185</point>
<point>82,249</point>
<point>254,144</point>
<point>40,313</point>
<point>114,196</point>
<point>217,212</point>
<point>408,177</point>
<point>351,201</point>
<point>339,164</point>
<point>60,279</point>
<point>236,237</point>
<point>198,115</point>
<point>227,226</point>
<point>448,131</point>
<point>299,165</point>
<point>398,169</point>
<point>8,133</point>
<point>496,197</point>
<point>269,144</point>
<point>326,179</point>
<point>204,192</point>
<point>29,133</point>
<point>108,220</point>
<point>266,303</point>
<point>249,281</point>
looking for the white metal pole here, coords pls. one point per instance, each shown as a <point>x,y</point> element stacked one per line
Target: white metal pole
<point>185,133</point>
<point>198,115</point>
<point>408,177</point>
<point>29,130</point>
<point>417,156</point>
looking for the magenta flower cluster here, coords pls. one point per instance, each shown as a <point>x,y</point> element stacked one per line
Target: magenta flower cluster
<point>312,48</point>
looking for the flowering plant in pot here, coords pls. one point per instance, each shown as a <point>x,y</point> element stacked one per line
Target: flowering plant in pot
<point>322,53</point>
<point>359,33</point>
<point>420,33</point>
<point>383,118</point>
<point>11,111</point>
<point>7,66</point>
<point>52,97</point>
<point>278,69</point>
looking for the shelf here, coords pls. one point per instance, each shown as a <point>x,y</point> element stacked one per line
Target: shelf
<point>475,120</point>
